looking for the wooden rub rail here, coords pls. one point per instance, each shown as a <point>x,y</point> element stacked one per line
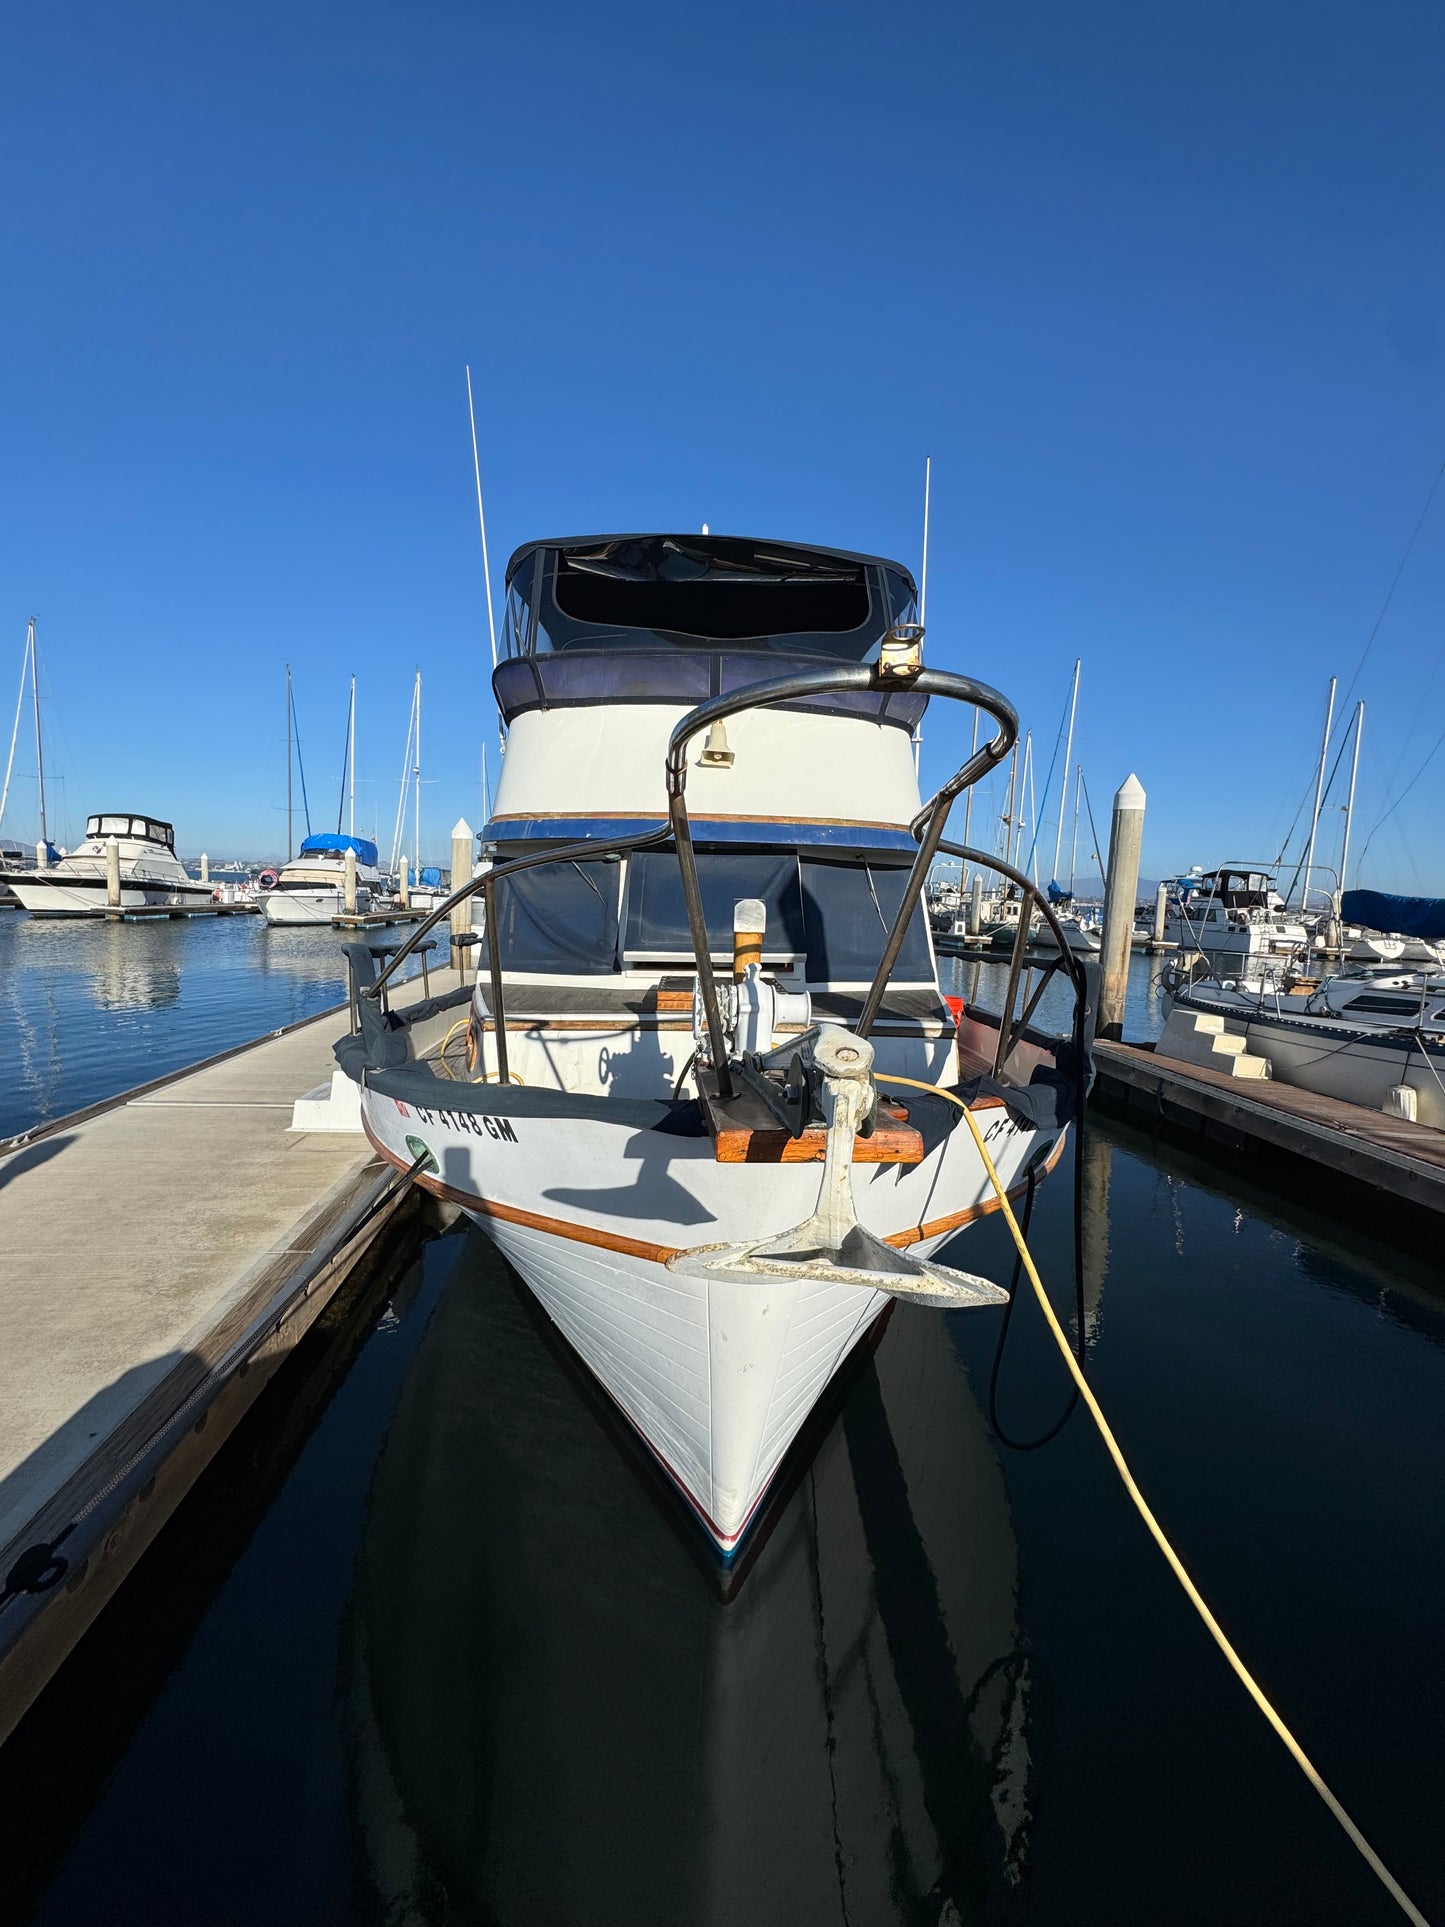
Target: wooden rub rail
<point>1402,1159</point>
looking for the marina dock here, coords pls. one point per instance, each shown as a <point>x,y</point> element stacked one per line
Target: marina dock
<point>165,1252</point>
<point>1397,1158</point>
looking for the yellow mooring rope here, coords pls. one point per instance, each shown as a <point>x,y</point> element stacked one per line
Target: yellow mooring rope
<point>1192,1593</point>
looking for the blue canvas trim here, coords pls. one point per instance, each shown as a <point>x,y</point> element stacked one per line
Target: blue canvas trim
<point>576,829</point>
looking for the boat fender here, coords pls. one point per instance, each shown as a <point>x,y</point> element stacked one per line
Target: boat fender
<point>267,880</point>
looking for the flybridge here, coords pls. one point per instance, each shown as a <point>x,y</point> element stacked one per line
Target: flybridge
<point>665,592</point>
<point>680,618</point>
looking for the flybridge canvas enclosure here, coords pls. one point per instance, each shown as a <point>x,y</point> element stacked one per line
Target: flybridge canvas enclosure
<point>664,592</point>
<point>145,827</point>
<point>329,841</point>
<point>1422,917</point>
<point>571,919</point>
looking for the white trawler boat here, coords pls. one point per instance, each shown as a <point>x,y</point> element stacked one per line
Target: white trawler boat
<point>705,958</point>
<point>151,874</point>
<point>312,887</point>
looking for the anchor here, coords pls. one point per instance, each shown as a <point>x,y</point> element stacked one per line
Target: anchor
<point>831,1247</point>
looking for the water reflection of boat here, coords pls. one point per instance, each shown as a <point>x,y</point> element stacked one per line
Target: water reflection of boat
<point>556,1718</point>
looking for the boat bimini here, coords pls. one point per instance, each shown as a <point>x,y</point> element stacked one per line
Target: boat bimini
<point>685,1113</point>
<point>150,872</point>
<point>312,887</point>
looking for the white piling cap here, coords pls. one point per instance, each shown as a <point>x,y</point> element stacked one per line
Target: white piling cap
<point>750,914</point>
<point>462,828</point>
<point>1130,794</point>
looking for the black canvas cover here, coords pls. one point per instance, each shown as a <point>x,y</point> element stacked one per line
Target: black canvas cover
<point>560,917</point>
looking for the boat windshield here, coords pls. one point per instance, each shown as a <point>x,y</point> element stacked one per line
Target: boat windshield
<point>668,592</point>
<point>144,827</point>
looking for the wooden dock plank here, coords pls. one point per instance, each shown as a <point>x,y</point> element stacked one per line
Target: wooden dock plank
<point>1407,1160</point>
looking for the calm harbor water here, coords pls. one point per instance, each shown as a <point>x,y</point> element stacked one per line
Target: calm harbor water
<point>430,1645</point>
<point>90,1008</point>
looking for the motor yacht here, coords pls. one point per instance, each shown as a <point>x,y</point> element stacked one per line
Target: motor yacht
<point>151,875</point>
<point>672,1097</point>
<point>311,888</point>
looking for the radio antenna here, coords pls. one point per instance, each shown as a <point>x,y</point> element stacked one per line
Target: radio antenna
<point>482,519</point>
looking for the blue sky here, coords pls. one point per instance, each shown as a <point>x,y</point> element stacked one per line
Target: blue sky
<point>1160,289</point>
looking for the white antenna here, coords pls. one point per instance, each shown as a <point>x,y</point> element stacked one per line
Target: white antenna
<point>1068,758</point>
<point>923,573</point>
<point>923,593</point>
<point>482,519</point>
<point>19,706</point>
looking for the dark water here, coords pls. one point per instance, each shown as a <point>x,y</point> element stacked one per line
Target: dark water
<point>430,1645</point>
<point>91,1008</point>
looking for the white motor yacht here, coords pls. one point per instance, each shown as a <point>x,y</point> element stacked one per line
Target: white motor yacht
<point>151,874</point>
<point>1232,914</point>
<point>669,1102</point>
<point>312,886</point>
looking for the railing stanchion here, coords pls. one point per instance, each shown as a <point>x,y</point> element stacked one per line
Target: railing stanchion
<point>1015,970</point>
<point>499,1010</point>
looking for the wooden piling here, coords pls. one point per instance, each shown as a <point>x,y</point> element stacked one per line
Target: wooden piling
<point>205,868</point>
<point>350,896</point>
<point>403,889</point>
<point>975,905</point>
<point>463,846</point>
<point>1126,837</point>
<point>1161,912</point>
<point>112,873</point>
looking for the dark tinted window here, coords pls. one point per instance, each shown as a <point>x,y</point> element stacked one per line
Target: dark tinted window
<point>560,917</point>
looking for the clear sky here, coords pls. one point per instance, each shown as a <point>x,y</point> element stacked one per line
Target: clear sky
<point>1161,289</point>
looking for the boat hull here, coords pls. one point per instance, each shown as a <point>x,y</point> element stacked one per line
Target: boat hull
<point>312,906</point>
<point>57,896</point>
<point>717,1374</point>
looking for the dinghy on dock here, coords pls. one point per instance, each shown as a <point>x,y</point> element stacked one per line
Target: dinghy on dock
<point>706,1095</point>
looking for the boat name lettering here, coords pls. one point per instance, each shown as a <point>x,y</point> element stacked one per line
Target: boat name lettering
<point>478,1124</point>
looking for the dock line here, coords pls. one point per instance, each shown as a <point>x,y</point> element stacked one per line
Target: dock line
<point>1156,1531</point>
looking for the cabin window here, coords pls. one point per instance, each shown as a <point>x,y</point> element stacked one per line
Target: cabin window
<point>560,918</point>
<point>656,929</point>
<point>114,826</point>
<point>1384,1006</point>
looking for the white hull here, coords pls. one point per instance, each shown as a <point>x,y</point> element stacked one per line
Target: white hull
<point>53,896</point>
<point>717,1374</point>
<point>312,906</point>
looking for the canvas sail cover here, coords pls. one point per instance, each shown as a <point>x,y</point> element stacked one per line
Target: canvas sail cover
<point>1422,917</point>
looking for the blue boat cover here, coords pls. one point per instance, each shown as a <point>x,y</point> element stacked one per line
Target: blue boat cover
<point>329,840</point>
<point>1395,916</point>
<point>431,878</point>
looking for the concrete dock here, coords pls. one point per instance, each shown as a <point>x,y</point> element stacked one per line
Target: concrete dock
<point>1396,1159</point>
<point>163,1253</point>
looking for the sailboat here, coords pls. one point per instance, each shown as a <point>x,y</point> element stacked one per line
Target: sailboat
<point>425,890</point>
<point>680,1114</point>
<point>15,858</point>
<point>311,888</point>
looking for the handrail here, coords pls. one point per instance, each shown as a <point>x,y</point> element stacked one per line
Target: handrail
<point>928,827</point>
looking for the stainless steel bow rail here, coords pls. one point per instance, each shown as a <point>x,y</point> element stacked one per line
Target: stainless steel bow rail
<point>899,668</point>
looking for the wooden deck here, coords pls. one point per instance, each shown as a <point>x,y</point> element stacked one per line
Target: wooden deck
<point>1405,1160</point>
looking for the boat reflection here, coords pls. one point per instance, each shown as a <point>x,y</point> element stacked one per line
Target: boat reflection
<point>557,1717</point>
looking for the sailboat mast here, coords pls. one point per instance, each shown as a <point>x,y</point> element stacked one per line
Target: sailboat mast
<point>290,837</point>
<point>1319,795</point>
<point>1068,758</point>
<point>351,761</point>
<point>1074,852</point>
<point>968,796</point>
<point>1350,799</point>
<point>416,819</point>
<point>19,707</point>
<point>39,752</point>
